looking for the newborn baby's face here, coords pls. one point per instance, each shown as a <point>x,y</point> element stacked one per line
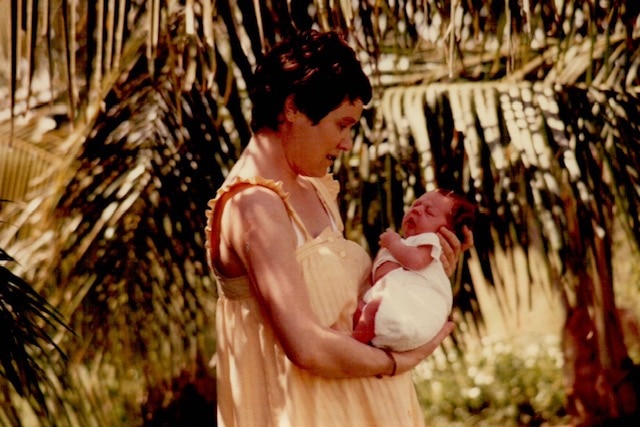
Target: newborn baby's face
<point>427,214</point>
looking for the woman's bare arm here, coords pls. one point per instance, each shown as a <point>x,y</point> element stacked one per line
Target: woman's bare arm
<point>262,237</point>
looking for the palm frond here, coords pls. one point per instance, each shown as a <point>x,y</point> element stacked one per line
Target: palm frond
<point>154,88</point>
<point>133,263</point>
<point>508,164</point>
<point>29,323</point>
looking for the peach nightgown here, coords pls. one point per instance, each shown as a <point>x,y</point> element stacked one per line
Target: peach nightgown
<point>257,384</point>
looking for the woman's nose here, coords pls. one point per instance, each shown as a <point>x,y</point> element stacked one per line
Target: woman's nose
<point>346,144</point>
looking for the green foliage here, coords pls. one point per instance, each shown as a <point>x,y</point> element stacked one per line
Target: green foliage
<point>156,92</point>
<point>498,382</point>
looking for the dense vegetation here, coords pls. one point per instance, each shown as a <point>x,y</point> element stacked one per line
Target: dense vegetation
<point>128,114</point>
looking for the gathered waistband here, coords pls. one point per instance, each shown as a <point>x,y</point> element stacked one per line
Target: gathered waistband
<point>234,288</point>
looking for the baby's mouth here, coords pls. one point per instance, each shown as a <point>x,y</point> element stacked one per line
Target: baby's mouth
<point>410,221</point>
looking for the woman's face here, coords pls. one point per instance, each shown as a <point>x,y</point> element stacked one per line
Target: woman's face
<point>427,214</point>
<point>312,149</point>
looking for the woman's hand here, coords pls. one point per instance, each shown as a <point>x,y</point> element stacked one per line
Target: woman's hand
<point>452,248</point>
<point>407,360</point>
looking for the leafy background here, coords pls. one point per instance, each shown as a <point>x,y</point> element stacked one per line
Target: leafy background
<point>121,118</point>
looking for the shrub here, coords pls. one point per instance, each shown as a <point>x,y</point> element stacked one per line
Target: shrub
<point>497,382</point>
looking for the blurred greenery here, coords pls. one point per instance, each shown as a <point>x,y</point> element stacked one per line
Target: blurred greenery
<point>120,119</point>
<point>514,376</point>
<point>497,382</point>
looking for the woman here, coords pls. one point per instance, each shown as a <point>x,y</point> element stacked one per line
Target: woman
<point>288,280</point>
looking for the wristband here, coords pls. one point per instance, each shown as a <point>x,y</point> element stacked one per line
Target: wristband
<point>393,361</point>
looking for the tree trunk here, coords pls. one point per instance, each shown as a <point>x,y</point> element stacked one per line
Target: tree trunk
<point>601,381</point>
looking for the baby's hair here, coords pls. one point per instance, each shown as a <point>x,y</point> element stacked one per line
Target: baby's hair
<point>462,213</point>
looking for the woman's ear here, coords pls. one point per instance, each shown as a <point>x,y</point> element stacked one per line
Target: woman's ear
<point>290,109</point>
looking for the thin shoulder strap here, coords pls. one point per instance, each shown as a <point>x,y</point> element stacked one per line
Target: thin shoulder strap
<point>328,201</point>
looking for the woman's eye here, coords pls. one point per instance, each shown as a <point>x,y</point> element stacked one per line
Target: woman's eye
<point>345,125</point>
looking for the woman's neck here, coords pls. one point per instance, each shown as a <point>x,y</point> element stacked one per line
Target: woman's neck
<point>264,156</point>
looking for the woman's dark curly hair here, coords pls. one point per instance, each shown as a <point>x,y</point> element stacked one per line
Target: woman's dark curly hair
<point>319,69</point>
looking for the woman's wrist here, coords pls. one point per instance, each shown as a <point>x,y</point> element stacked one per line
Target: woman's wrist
<point>391,371</point>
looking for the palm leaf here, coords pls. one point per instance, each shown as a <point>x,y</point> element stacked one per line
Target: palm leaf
<point>27,320</point>
<point>139,85</point>
<point>126,286</point>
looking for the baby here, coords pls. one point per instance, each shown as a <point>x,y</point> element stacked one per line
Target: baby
<point>411,296</point>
